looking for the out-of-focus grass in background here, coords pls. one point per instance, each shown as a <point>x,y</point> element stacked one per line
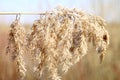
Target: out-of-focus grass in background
<point>86,69</point>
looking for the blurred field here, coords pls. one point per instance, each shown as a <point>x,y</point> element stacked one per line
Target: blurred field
<point>88,68</point>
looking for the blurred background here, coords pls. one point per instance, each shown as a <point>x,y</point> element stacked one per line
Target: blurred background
<point>89,67</point>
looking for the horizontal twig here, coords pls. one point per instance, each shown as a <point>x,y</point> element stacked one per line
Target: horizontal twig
<point>22,13</point>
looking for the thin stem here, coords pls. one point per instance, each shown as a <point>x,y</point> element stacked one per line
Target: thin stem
<point>22,13</point>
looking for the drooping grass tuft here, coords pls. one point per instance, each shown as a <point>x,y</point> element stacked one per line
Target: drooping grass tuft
<point>16,47</point>
<point>58,40</point>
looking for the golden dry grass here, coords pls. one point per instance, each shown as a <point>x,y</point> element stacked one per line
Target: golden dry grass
<point>86,69</point>
<point>53,45</point>
<point>57,41</point>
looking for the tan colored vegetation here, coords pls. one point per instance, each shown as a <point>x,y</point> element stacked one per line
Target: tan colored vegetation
<point>58,40</point>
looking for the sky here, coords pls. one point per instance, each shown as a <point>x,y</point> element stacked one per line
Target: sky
<point>39,6</point>
<point>36,6</point>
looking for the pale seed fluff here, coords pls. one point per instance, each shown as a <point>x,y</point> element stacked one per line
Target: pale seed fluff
<point>16,47</point>
<point>58,40</point>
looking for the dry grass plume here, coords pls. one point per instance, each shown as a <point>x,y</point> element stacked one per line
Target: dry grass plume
<point>57,40</point>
